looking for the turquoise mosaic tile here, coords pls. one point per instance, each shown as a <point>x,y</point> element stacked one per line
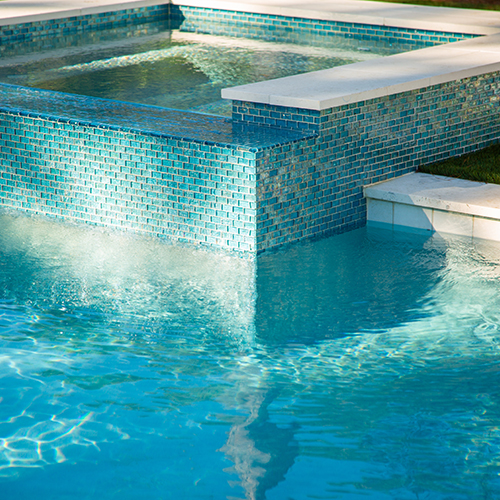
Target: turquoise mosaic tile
<point>301,30</point>
<point>20,33</point>
<point>83,30</point>
<point>70,109</point>
<point>182,176</point>
<point>252,113</point>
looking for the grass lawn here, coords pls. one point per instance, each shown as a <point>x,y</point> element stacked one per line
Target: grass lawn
<point>482,165</point>
<point>465,4</point>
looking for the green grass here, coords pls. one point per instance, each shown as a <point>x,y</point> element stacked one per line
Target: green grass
<point>482,165</point>
<point>463,4</point>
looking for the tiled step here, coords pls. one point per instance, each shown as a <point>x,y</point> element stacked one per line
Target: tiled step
<point>435,203</point>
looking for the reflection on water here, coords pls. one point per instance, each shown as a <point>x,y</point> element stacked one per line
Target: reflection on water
<point>262,452</point>
<point>359,366</point>
<point>318,291</point>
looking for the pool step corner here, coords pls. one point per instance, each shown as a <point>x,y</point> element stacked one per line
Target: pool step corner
<point>432,203</point>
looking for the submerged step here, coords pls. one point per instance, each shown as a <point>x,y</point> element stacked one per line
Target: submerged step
<point>436,203</point>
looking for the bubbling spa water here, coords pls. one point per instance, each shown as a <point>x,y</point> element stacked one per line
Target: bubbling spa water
<point>362,366</point>
<point>176,69</point>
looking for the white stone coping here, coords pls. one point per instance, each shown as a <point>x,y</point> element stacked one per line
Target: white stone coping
<point>440,193</point>
<point>476,22</point>
<point>28,11</point>
<point>337,86</point>
<point>376,78</point>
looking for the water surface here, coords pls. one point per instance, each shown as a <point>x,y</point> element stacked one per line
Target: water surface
<point>362,366</point>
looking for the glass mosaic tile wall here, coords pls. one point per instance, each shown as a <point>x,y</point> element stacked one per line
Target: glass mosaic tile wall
<point>65,32</point>
<point>294,29</point>
<point>198,190</point>
<point>314,187</point>
<point>269,176</point>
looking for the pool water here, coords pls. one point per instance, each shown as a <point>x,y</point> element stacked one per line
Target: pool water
<point>176,69</point>
<point>362,366</point>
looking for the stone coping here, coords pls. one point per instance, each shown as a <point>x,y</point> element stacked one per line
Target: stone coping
<point>440,193</point>
<point>478,22</point>
<point>376,78</point>
<point>28,11</point>
<point>337,86</point>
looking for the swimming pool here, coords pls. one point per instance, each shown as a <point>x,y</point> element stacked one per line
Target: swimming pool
<point>359,366</point>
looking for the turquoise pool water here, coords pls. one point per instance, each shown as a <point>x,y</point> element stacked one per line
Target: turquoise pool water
<point>363,366</point>
<point>176,69</point>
